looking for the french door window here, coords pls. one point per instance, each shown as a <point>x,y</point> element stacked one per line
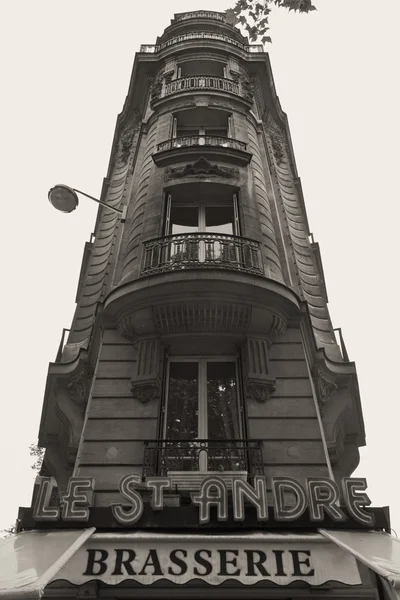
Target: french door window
<point>202,134</point>
<point>202,414</point>
<point>186,221</point>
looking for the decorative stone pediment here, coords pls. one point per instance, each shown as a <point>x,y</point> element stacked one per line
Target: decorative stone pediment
<point>202,167</point>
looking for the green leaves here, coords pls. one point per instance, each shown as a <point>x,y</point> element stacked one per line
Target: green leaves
<point>253,15</point>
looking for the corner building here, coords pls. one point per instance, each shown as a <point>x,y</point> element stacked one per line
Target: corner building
<point>201,347</point>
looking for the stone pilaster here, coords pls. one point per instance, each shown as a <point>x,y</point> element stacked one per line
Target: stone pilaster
<point>259,383</point>
<point>146,381</point>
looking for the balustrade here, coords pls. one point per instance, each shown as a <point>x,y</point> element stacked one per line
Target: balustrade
<point>200,35</point>
<point>201,14</point>
<point>201,250</point>
<point>202,82</point>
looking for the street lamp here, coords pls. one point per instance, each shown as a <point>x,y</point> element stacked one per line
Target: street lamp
<point>65,199</point>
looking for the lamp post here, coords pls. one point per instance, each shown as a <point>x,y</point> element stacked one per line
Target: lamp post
<point>65,199</point>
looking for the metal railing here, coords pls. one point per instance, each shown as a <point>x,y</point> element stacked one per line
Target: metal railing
<point>201,140</point>
<point>162,456</point>
<point>202,82</point>
<point>341,344</point>
<point>199,251</point>
<point>62,344</point>
<point>201,14</point>
<point>200,35</point>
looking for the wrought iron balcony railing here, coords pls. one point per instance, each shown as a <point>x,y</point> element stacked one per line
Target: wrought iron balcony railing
<point>163,456</point>
<point>201,140</point>
<point>202,82</point>
<point>199,251</point>
<point>200,35</point>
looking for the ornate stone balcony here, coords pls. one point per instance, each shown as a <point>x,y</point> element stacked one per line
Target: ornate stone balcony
<point>201,251</point>
<point>200,35</point>
<point>163,457</point>
<point>192,146</point>
<point>202,82</point>
<point>201,14</point>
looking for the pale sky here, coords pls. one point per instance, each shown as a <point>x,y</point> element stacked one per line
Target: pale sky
<point>65,73</point>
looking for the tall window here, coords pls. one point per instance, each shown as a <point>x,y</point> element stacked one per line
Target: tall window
<point>188,221</point>
<point>202,404</point>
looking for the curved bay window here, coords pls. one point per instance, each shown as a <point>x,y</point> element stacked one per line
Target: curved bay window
<point>202,425</point>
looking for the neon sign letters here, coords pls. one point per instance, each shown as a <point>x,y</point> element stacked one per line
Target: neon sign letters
<point>321,496</point>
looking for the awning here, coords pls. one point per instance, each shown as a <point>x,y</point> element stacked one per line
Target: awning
<point>30,560</point>
<point>377,550</point>
<point>146,557</point>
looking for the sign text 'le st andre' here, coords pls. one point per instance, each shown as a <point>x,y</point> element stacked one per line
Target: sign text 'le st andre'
<point>321,496</point>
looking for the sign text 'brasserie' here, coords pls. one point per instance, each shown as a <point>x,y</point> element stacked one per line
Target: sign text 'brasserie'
<point>212,559</point>
<point>321,496</point>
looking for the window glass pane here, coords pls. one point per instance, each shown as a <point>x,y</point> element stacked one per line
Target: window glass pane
<point>223,420</point>
<point>184,219</point>
<point>220,219</point>
<point>224,454</point>
<point>183,401</point>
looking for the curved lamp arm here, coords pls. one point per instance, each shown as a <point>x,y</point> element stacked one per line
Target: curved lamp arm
<point>65,199</point>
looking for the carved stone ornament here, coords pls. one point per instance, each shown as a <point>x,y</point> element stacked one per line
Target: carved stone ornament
<point>156,88</point>
<point>260,390</point>
<point>168,75</point>
<point>277,140</point>
<point>127,135</point>
<point>202,167</point>
<point>326,386</point>
<point>144,391</point>
<point>78,387</point>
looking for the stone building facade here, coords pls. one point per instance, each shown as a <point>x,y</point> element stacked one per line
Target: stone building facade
<point>201,344</point>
